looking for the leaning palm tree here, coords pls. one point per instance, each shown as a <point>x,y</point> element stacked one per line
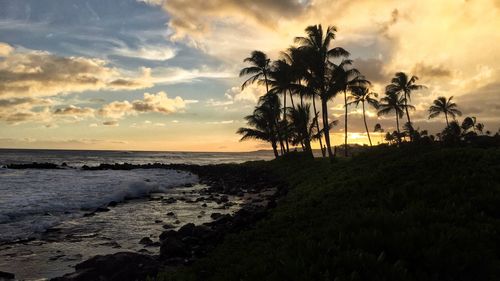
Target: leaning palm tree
<point>362,94</point>
<point>263,125</point>
<point>405,85</point>
<point>317,43</point>
<point>393,102</point>
<point>342,78</point>
<point>259,69</point>
<point>443,105</point>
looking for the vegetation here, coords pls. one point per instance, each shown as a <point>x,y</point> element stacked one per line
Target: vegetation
<point>315,70</point>
<point>409,213</point>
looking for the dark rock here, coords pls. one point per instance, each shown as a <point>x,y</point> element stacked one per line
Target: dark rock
<point>89,214</point>
<point>224,198</point>
<point>170,200</point>
<point>112,204</point>
<point>123,266</point>
<point>188,185</point>
<point>171,214</point>
<point>173,247</point>
<point>7,275</point>
<point>187,229</point>
<point>158,221</point>
<point>102,209</point>
<point>168,226</point>
<point>215,215</point>
<point>168,234</point>
<point>177,222</point>
<point>146,241</point>
<point>204,205</point>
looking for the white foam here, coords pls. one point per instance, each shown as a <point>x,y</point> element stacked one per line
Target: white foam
<point>32,200</point>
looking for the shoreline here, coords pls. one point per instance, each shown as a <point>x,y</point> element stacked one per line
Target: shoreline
<point>222,183</point>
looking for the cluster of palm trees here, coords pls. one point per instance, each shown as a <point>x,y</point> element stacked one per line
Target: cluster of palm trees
<point>314,70</point>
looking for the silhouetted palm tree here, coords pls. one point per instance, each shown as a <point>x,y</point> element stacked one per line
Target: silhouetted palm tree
<point>341,79</point>
<point>263,121</point>
<point>443,105</point>
<point>259,69</point>
<point>362,94</point>
<point>317,43</point>
<point>393,102</point>
<point>302,126</point>
<point>402,83</point>
<point>281,81</point>
<point>378,128</point>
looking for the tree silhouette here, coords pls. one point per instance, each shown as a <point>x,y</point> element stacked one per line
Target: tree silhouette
<point>362,94</point>
<point>317,43</point>
<point>263,123</point>
<point>393,102</point>
<point>405,85</point>
<point>446,106</point>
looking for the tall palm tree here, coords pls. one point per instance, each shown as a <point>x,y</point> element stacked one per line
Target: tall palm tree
<point>259,70</point>
<point>405,85</point>
<point>393,102</point>
<point>263,124</point>
<point>446,106</point>
<point>318,42</point>
<point>281,81</point>
<point>342,78</point>
<point>362,94</point>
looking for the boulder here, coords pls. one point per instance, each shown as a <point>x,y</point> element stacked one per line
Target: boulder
<point>7,275</point>
<point>173,247</point>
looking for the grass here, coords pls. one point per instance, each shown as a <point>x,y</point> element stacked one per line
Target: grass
<point>386,214</point>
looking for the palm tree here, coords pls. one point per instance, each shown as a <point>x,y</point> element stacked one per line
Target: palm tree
<point>402,83</point>
<point>259,69</point>
<point>302,126</point>
<point>362,94</point>
<point>443,105</point>
<point>342,79</point>
<point>263,121</point>
<point>378,128</point>
<point>393,102</point>
<point>281,81</point>
<point>317,43</point>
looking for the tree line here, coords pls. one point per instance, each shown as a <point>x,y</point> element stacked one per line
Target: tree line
<point>316,70</point>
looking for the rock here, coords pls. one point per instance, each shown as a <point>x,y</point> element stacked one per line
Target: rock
<point>146,241</point>
<point>186,230</point>
<point>112,204</point>
<point>102,209</point>
<point>204,205</point>
<point>168,226</point>
<point>158,221</point>
<point>7,275</point>
<point>170,200</point>
<point>188,185</point>
<point>171,214</point>
<point>215,216</point>
<point>168,234</point>
<point>224,198</point>
<point>177,222</point>
<point>173,247</point>
<point>124,266</point>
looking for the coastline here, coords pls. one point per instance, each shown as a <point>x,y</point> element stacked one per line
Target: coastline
<point>245,192</point>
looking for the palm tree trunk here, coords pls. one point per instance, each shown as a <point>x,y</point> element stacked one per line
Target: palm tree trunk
<point>317,126</point>
<point>275,150</point>
<point>408,116</point>
<point>291,99</point>
<point>397,126</point>
<point>326,127</point>
<point>302,100</point>
<point>345,124</point>
<point>366,126</point>
<point>446,116</point>
<point>286,124</point>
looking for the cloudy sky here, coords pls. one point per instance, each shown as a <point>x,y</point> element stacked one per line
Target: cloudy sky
<point>162,74</point>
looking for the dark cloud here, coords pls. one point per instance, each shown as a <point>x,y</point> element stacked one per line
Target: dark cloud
<point>430,71</point>
<point>110,123</point>
<point>74,110</point>
<point>372,69</point>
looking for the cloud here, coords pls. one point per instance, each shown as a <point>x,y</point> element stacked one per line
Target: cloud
<point>220,122</point>
<point>423,70</point>
<point>41,74</point>
<point>111,123</point>
<point>5,49</point>
<point>159,103</point>
<point>148,52</point>
<point>75,111</point>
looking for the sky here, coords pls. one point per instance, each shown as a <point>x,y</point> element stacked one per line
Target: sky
<point>163,74</point>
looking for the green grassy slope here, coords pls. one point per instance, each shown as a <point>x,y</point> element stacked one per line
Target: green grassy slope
<point>388,214</point>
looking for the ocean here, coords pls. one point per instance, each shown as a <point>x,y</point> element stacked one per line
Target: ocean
<point>35,200</point>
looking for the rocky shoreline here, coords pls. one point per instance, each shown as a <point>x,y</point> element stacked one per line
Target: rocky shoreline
<point>258,189</point>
